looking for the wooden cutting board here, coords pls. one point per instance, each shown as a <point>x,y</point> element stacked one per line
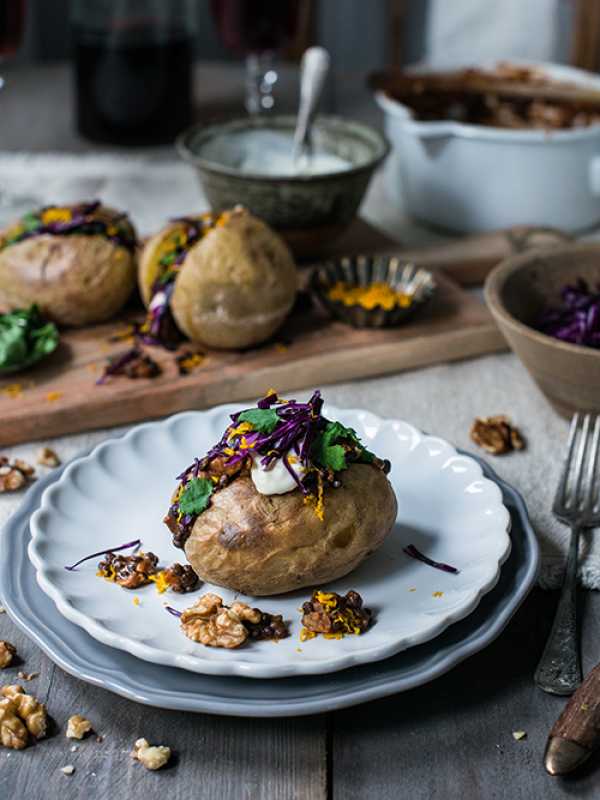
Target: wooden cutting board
<point>60,396</point>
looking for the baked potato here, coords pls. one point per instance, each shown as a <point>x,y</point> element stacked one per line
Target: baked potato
<point>229,281</point>
<point>76,263</point>
<point>262,514</point>
<point>262,545</point>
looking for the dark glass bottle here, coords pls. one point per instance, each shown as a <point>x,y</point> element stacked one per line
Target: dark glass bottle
<point>133,69</point>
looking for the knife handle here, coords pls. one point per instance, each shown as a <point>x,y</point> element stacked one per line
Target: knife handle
<point>576,733</point>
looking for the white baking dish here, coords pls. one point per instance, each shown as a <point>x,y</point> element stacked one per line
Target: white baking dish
<point>466,177</point>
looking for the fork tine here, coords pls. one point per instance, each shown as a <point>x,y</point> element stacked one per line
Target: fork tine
<point>590,488</point>
<point>579,463</point>
<point>560,497</point>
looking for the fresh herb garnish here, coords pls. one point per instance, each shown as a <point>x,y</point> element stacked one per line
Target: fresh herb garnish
<point>312,449</point>
<point>194,498</point>
<point>328,449</point>
<point>262,420</point>
<point>25,338</point>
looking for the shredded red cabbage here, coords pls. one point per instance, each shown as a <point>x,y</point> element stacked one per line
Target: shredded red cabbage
<point>172,611</point>
<point>292,429</point>
<point>577,319</point>
<point>117,363</point>
<point>86,218</point>
<point>413,552</point>
<point>136,544</point>
<point>159,327</point>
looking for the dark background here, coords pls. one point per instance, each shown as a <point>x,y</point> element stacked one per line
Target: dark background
<point>357,33</point>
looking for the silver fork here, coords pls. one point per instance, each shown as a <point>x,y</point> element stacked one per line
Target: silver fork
<point>576,503</point>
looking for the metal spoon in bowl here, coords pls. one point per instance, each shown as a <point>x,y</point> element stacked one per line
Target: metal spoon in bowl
<point>313,71</point>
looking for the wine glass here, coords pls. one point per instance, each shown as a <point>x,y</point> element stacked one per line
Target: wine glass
<point>258,29</point>
<point>12,23</point>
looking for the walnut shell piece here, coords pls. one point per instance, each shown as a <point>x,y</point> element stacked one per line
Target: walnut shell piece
<point>48,458</point>
<point>496,435</point>
<point>153,757</point>
<point>77,727</point>
<point>7,653</point>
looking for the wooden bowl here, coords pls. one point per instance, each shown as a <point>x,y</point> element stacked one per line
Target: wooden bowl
<point>517,291</point>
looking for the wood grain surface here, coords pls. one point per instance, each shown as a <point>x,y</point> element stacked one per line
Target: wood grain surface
<point>450,740</point>
<point>60,396</point>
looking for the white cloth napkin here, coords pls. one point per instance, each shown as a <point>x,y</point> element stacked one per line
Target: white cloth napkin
<point>442,400</point>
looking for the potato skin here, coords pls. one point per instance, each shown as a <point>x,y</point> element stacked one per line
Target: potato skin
<point>75,280</point>
<point>264,545</point>
<point>235,287</point>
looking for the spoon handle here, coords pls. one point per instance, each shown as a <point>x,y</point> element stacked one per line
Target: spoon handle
<point>313,71</point>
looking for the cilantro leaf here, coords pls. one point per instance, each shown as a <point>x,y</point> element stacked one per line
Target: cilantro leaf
<point>194,498</point>
<point>31,222</point>
<point>327,449</point>
<point>262,420</point>
<point>25,338</point>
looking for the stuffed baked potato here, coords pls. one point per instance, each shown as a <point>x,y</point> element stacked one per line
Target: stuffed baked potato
<point>286,499</point>
<point>228,281</point>
<point>76,263</point>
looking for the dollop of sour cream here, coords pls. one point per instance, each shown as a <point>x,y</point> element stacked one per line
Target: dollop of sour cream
<point>275,479</point>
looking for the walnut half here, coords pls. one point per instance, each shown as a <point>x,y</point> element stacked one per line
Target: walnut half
<point>211,623</point>
<point>496,435</point>
<point>151,756</point>
<point>21,715</point>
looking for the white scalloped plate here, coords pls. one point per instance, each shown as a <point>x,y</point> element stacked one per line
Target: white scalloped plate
<point>446,507</point>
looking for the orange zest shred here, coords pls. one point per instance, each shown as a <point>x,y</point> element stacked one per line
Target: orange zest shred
<point>52,397</point>
<point>437,594</point>
<point>56,214</point>
<point>239,430</point>
<point>160,581</point>
<point>191,362</point>
<point>317,500</point>
<point>13,390</point>
<point>370,296</point>
<point>108,574</point>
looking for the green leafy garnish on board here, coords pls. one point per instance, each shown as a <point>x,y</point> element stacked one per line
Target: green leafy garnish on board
<point>328,450</point>
<point>25,338</point>
<point>194,498</point>
<point>262,420</point>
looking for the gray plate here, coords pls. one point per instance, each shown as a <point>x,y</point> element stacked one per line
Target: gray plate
<point>168,687</point>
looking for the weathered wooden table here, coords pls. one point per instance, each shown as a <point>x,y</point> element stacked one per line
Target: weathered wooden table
<point>450,739</point>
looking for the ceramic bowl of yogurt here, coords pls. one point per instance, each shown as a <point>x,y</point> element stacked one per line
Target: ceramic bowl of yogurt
<point>249,161</point>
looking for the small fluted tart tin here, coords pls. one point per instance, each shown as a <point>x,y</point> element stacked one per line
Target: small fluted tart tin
<point>362,270</point>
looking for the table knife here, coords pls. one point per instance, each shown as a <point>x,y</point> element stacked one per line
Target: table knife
<point>576,733</point>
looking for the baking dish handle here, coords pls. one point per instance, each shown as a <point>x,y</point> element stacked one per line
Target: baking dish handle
<point>429,130</point>
<point>594,175</point>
